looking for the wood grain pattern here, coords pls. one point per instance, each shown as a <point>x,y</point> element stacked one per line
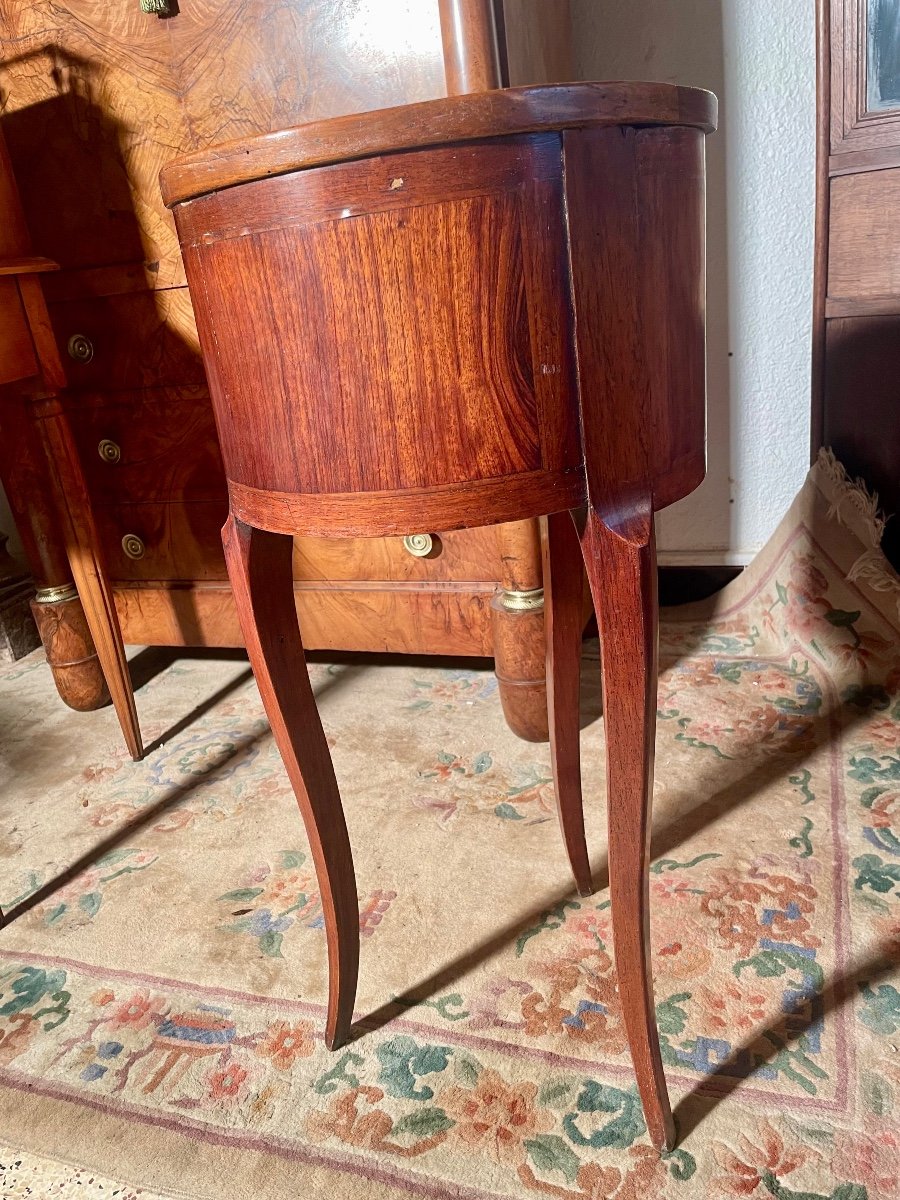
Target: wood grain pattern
<point>621,565</point>
<point>856,299</point>
<point>861,406</point>
<point>564,609</point>
<point>88,567</point>
<point>71,655</point>
<point>382,514</point>
<point>456,119</point>
<point>110,94</point>
<point>140,340</point>
<point>537,38</point>
<point>167,442</point>
<point>638,289</point>
<point>864,250</point>
<point>259,565</point>
<point>325,404</point>
<point>469,39</point>
<point>363,616</point>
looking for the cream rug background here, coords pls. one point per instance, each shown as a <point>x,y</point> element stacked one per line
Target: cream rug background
<point>161,984</point>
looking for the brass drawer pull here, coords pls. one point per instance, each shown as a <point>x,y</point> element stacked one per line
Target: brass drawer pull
<point>133,546</point>
<point>109,451</point>
<point>419,545</point>
<point>80,348</point>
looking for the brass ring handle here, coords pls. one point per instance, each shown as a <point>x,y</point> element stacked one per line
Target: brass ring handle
<point>80,348</point>
<point>109,450</point>
<point>133,546</point>
<point>419,545</point>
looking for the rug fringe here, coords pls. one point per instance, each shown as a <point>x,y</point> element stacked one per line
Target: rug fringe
<point>852,505</point>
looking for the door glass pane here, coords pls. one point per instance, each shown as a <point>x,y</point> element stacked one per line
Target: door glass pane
<point>883,54</point>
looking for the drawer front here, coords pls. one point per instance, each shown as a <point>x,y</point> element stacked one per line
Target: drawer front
<point>148,542</point>
<point>470,555</point>
<point>164,542</point>
<point>143,446</point>
<point>133,340</point>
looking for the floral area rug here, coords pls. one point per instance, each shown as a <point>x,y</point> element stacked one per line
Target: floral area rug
<point>162,983</point>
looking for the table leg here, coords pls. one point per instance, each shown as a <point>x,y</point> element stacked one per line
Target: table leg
<point>259,567</point>
<point>620,555</point>
<point>563,623</point>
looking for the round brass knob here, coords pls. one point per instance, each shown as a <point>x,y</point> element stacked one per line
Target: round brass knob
<point>109,451</point>
<point>419,545</point>
<point>133,546</point>
<point>80,348</point>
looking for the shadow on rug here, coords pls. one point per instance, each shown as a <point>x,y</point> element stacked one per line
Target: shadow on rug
<point>161,983</point>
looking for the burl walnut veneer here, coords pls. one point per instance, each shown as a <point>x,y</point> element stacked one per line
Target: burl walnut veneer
<point>109,94</point>
<point>483,309</point>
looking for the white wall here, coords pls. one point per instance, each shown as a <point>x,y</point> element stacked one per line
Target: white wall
<point>758,56</point>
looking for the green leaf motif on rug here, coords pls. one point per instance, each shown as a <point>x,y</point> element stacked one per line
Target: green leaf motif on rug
<point>424,1122</point>
<point>682,1165</point>
<point>882,1008</point>
<point>508,813</point>
<point>865,769</point>
<point>875,874</point>
<point>670,1016</point>
<point>403,1061</point>
<point>802,842</point>
<point>617,1134</point>
<point>328,1083</point>
<point>552,919</point>
<point>801,781</point>
<point>30,986</point>
<point>550,1153</point>
<point>671,864</point>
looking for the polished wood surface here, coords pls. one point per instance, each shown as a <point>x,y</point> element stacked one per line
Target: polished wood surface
<point>559,361</point>
<point>259,565</point>
<point>110,94</point>
<point>83,637</point>
<point>564,593</point>
<point>433,123</point>
<point>856,294</point>
<point>471,52</point>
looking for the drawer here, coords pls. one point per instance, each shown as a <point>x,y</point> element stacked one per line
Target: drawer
<point>469,555</point>
<point>165,542</point>
<point>133,340</point>
<point>149,445</point>
<point>182,541</point>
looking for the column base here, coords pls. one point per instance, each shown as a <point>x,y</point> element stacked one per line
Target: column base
<point>517,619</point>
<point>61,623</point>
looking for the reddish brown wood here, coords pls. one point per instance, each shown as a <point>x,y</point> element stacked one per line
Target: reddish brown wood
<point>71,655</point>
<point>469,39</point>
<point>259,565</point>
<point>564,607</point>
<point>619,554</point>
<point>88,568</point>
<point>456,335</point>
<point>434,123</point>
<point>73,77</point>
<point>517,618</point>
<point>29,362</point>
<point>856,293</point>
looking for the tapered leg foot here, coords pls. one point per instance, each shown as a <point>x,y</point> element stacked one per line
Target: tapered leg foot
<point>259,567</point>
<point>564,622</point>
<point>619,553</point>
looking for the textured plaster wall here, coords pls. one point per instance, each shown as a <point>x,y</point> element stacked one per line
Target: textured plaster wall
<point>758,56</point>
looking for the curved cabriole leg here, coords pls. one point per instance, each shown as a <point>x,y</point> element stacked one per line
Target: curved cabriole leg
<point>564,622</point>
<point>259,567</point>
<point>620,555</point>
